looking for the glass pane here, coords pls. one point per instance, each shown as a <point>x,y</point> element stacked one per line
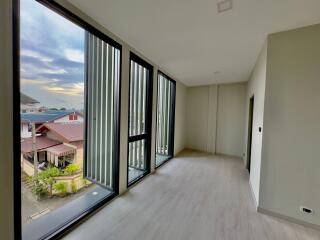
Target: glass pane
<point>54,58</point>
<point>164,119</point>
<point>138,96</point>
<point>103,63</point>
<point>137,159</point>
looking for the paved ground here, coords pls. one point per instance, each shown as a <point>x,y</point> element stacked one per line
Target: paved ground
<point>31,206</point>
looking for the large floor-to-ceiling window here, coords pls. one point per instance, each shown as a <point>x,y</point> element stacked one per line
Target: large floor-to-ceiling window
<point>165,118</point>
<point>140,113</point>
<point>69,118</point>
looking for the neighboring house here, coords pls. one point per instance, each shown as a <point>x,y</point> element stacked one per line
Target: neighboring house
<point>56,143</point>
<point>52,116</point>
<point>28,104</point>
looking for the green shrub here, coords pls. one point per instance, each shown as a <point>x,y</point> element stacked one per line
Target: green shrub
<point>73,187</point>
<point>61,188</point>
<point>39,188</point>
<point>29,180</point>
<point>51,172</point>
<point>71,169</point>
<point>43,182</point>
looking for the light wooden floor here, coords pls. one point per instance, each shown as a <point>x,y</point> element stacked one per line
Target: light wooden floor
<point>193,197</point>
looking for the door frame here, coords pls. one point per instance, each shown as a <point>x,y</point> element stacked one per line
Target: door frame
<point>148,135</point>
<point>250,132</point>
<point>172,119</point>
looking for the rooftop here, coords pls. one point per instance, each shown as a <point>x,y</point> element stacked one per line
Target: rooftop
<point>42,142</point>
<point>43,117</point>
<point>69,131</point>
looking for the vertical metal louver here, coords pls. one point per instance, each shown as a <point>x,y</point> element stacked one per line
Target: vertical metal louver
<point>137,114</point>
<point>102,71</point>
<point>165,113</point>
<point>138,94</point>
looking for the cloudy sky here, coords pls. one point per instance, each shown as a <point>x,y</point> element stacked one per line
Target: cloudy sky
<point>52,57</point>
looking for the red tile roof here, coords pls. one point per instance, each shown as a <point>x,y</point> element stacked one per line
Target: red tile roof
<point>69,131</point>
<point>42,142</point>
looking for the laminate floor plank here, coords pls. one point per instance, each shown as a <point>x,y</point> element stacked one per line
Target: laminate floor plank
<point>195,196</point>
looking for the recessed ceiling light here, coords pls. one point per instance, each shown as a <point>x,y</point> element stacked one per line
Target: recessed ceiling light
<point>224,5</point>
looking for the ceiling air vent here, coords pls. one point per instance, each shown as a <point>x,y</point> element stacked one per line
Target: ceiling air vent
<point>224,5</point>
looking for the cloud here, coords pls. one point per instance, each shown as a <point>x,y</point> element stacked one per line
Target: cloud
<point>52,57</point>
<point>53,71</point>
<point>24,81</point>
<point>34,54</point>
<point>75,89</point>
<point>74,55</point>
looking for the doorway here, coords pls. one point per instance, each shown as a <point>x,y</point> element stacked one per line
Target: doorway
<point>250,125</point>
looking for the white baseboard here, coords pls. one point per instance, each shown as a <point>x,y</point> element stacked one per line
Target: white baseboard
<point>290,219</point>
<point>253,196</point>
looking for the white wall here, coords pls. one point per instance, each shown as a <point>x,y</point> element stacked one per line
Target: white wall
<point>215,117</point>
<point>6,124</point>
<point>180,132</point>
<point>212,118</point>
<point>256,88</point>
<point>290,168</point>
<point>197,117</point>
<point>230,117</point>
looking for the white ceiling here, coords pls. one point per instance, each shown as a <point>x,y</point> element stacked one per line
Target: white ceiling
<point>191,41</point>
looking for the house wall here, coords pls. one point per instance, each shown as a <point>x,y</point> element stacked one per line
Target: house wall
<point>79,155</point>
<point>6,123</point>
<point>180,107</point>
<point>256,88</point>
<point>30,108</point>
<point>215,117</point>
<point>25,130</point>
<point>290,154</point>
<point>27,167</point>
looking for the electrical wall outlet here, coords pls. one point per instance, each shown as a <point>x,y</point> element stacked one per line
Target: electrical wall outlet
<point>306,210</point>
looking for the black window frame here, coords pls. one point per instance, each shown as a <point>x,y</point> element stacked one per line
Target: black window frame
<point>173,113</point>
<point>148,135</point>
<point>64,12</point>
